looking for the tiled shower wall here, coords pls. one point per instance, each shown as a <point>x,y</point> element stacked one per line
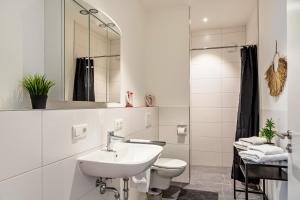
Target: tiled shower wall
<point>215,84</point>
<point>39,156</point>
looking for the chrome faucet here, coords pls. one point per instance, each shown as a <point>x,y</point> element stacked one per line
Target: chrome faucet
<point>110,135</point>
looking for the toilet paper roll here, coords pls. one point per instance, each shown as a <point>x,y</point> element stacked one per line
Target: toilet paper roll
<point>181,130</point>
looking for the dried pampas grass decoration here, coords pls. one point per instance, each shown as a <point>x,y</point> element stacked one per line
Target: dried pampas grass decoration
<point>276,79</point>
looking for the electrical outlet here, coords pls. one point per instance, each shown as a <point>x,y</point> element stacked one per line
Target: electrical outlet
<point>79,131</point>
<point>118,124</point>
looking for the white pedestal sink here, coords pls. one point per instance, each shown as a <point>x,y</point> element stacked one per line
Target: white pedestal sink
<point>128,160</point>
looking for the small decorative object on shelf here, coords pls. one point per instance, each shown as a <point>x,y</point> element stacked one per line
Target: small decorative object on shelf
<point>149,100</point>
<point>276,75</point>
<point>268,131</point>
<point>38,87</point>
<point>129,99</point>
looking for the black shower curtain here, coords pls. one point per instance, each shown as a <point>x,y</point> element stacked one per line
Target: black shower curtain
<point>84,80</point>
<point>248,111</point>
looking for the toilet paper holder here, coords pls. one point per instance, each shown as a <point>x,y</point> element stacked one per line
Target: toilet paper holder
<point>181,129</point>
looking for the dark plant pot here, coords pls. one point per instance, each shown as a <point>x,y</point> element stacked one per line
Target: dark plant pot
<point>38,101</point>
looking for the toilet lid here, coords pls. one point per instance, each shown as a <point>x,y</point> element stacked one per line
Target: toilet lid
<point>170,163</point>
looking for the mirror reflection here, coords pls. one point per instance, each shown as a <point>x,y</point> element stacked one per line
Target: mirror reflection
<point>92,54</point>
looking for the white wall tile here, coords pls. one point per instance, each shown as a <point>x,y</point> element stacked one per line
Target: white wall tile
<point>230,100</point>
<point>206,100</point>
<point>206,57</point>
<point>176,151</point>
<point>234,38</point>
<point>206,158</point>
<point>231,55</point>
<point>231,85</point>
<point>206,71</point>
<point>228,129</point>
<point>227,159</point>
<point>206,40</point>
<point>229,114</point>
<point>231,69</point>
<point>24,187</point>
<point>207,32</point>
<point>234,30</point>
<point>64,180</point>
<point>20,144</point>
<point>206,115</point>
<point>169,135</point>
<point>214,108</point>
<point>57,129</point>
<point>206,85</point>
<point>173,115</point>
<point>206,144</point>
<point>227,145</point>
<point>205,130</point>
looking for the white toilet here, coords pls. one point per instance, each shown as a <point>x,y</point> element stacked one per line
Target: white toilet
<point>163,170</point>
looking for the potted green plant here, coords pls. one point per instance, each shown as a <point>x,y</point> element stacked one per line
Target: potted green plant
<point>268,131</point>
<point>38,87</point>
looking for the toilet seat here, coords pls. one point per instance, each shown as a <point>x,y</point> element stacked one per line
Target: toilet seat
<point>169,163</point>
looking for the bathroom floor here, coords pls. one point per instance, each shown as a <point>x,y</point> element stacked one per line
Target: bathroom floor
<point>208,179</point>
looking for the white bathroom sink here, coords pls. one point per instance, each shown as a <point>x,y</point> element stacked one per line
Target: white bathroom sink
<point>127,160</point>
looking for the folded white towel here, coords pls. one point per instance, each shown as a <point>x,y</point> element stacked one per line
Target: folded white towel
<point>141,181</point>
<point>254,140</point>
<point>259,157</point>
<point>267,149</point>
<point>242,145</point>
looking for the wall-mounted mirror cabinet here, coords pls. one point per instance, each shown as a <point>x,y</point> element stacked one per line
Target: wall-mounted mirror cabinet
<point>71,42</point>
<point>92,54</point>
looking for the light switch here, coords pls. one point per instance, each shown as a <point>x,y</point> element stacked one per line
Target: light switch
<point>79,131</point>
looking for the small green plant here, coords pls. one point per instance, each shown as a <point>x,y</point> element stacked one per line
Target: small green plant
<point>37,85</point>
<point>268,131</point>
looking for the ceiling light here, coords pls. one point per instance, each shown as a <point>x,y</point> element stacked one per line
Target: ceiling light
<point>205,19</point>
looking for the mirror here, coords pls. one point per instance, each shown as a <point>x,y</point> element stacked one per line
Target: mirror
<point>51,37</point>
<point>92,54</point>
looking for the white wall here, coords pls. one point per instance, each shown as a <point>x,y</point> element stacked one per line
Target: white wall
<point>167,55</point>
<point>42,162</point>
<point>272,27</point>
<point>293,49</point>
<point>252,28</point>
<point>215,85</point>
<point>22,47</point>
<point>167,75</point>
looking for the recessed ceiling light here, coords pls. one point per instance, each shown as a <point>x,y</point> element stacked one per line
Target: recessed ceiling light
<point>205,19</point>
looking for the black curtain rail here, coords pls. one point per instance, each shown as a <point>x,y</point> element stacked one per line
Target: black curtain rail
<point>221,47</point>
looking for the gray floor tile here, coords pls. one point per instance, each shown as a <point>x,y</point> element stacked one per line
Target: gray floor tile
<point>215,179</point>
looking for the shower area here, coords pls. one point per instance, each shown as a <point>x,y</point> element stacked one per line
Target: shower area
<point>218,32</point>
<point>92,54</point>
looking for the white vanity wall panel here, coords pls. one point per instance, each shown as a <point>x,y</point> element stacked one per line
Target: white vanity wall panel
<point>64,180</point>
<point>20,144</point>
<point>24,187</point>
<point>57,133</point>
<point>47,135</point>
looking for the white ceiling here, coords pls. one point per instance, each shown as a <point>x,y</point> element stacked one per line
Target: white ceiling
<point>220,13</point>
<point>153,4</point>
